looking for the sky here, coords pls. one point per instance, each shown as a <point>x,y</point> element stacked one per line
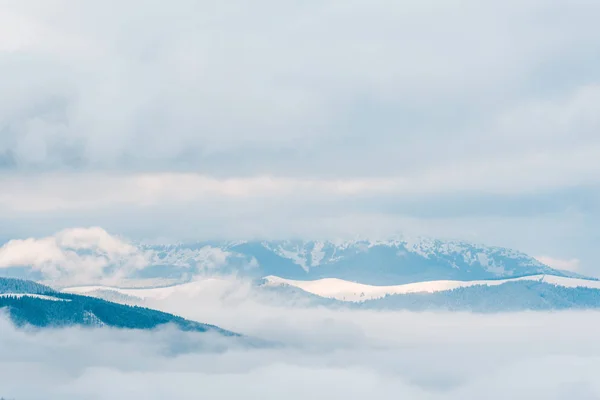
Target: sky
<point>189,120</point>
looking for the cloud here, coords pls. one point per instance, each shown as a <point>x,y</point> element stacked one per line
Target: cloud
<point>91,191</point>
<point>568,265</point>
<point>93,256</point>
<point>353,116</point>
<point>325,355</point>
<point>490,180</point>
<point>534,146</point>
<point>179,90</point>
<point>84,253</point>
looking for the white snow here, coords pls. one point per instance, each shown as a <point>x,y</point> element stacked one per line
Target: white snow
<point>330,288</point>
<point>92,319</point>
<point>317,254</point>
<point>351,291</point>
<point>189,289</point>
<point>291,251</point>
<point>207,257</point>
<point>37,296</point>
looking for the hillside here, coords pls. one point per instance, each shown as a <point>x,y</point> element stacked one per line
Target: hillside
<point>511,296</point>
<point>352,291</point>
<point>28,303</point>
<point>543,292</point>
<point>507,297</point>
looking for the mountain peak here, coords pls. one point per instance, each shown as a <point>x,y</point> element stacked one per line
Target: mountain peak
<point>95,257</point>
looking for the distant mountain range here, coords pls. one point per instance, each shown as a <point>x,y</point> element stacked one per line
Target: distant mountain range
<point>387,262</point>
<point>399,273</point>
<point>390,262</point>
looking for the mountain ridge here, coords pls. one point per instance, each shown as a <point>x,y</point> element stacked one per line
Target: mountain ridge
<point>31,304</point>
<point>395,261</point>
<point>87,257</point>
<point>535,293</point>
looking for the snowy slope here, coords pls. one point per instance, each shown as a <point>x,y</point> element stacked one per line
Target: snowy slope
<point>541,292</point>
<point>351,291</point>
<point>330,288</point>
<point>45,307</point>
<point>189,290</point>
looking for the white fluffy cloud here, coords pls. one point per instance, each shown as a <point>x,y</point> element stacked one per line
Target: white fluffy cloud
<point>93,256</point>
<point>78,252</point>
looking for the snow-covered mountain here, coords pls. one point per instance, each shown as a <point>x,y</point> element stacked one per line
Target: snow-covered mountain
<point>421,274</point>
<point>540,292</point>
<point>339,289</point>
<point>92,256</point>
<point>390,262</point>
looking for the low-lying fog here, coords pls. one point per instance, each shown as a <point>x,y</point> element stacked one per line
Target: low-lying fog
<point>323,354</point>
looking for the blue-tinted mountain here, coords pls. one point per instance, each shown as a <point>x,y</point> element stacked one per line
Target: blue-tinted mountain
<point>389,262</point>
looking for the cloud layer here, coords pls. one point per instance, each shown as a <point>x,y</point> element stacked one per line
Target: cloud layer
<point>321,88</point>
<point>195,119</point>
<point>326,355</point>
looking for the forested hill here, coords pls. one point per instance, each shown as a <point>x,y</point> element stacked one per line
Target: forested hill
<point>29,303</point>
<point>8,285</point>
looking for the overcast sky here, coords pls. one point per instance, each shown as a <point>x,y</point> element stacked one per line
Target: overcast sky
<point>200,119</point>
